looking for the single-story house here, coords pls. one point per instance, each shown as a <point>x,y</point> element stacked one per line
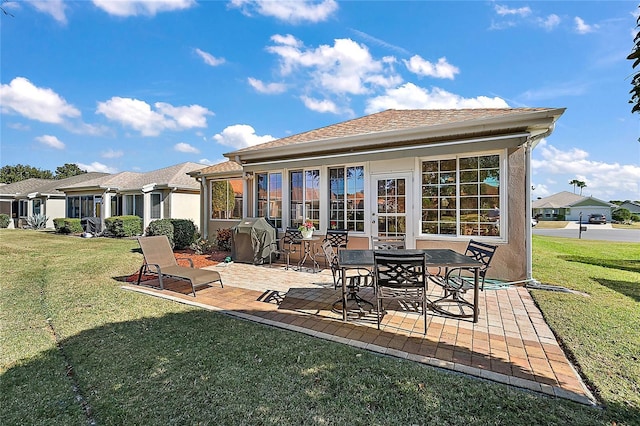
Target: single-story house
<point>435,176</point>
<point>567,206</point>
<point>31,197</point>
<point>632,206</point>
<point>160,194</point>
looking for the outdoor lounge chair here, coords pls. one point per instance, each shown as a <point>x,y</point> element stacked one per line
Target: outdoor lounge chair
<point>159,260</point>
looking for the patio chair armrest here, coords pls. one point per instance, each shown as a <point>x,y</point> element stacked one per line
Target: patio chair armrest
<point>178,259</point>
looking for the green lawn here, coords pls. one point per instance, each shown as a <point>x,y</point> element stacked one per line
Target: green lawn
<point>75,348</point>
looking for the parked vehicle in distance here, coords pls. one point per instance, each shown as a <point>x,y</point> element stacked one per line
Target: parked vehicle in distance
<point>534,221</point>
<point>597,218</point>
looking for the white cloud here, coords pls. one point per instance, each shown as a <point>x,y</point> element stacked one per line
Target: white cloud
<point>19,126</point>
<point>97,167</point>
<point>582,27</point>
<point>506,11</point>
<point>323,105</point>
<point>604,180</point>
<point>141,7</point>
<point>23,97</point>
<point>569,88</point>
<point>138,115</point>
<point>240,136</point>
<point>212,162</point>
<point>269,88</point>
<point>55,8</point>
<point>209,59</point>
<point>344,68</point>
<point>550,22</point>
<point>442,69</point>
<point>410,96</point>
<point>185,147</point>
<point>111,154</point>
<point>50,141</point>
<point>289,11</point>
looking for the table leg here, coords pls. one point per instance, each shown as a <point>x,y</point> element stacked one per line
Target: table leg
<point>476,282</point>
<point>344,295</point>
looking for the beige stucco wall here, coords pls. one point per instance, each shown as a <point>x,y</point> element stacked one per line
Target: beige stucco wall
<point>184,206</point>
<point>54,208</point>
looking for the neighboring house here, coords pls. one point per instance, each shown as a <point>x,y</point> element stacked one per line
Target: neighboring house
<point>168,193</point>
<point>30,197</point>
<point>632,206</point>
<point>567,206</point>
<point>434,176</point>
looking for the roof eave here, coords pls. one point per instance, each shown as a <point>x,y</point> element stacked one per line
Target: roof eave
<point>536,123</point>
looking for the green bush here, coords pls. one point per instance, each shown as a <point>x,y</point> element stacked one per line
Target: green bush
<point>161,227</point>
<point>202,246</point>
<point>123,226</point>
<point>65,225</point>
<point>621,215</point>
<point>223,239</point>
<point>5,219</point>
<point>184,232</point>
<point>635,217</point>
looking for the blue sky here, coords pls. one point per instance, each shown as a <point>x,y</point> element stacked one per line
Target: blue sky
<point>132,85</point>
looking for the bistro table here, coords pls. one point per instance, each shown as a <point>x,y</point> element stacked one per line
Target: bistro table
<point>308,249</point>
<point>436,258</point>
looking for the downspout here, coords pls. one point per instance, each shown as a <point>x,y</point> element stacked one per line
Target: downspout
<point>204,208</point>
<point>528,228</point>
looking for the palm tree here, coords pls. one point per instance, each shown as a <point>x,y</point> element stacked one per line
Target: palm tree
<point>574,182</point>
<point>580,184</point>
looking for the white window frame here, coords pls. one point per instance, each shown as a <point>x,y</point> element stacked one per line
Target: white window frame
<point>503,222</point>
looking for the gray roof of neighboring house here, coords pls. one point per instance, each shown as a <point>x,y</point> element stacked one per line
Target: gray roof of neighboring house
<point>564,199</point>
<point>46,186</point>
<point>25,186</point>
<point>173,177</point>
<point>395,126</point>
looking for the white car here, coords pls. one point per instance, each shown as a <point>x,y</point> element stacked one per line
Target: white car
<point>534,222</point>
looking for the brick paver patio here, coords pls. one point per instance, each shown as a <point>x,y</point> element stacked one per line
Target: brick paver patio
<point>511,343</point>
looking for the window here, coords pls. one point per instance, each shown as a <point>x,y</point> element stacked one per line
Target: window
<point>461,196</point>
<point>134,205</point>
<point>23,206</point>
<point>156,199</point>
<point>346,203</point>
<point>305,197</point>
<point>37,207</point>
<point>226,199</point>
<point>116,205</point>
<point>80,206</point>
<point>269,190</point>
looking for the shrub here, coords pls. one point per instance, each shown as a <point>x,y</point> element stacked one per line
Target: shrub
<point>5,219</point>
<point>202,246</point>
<point>635,217</point>
<point>161,227</point>
<point>621,215</point>
<point>37,221</point>
<point>64,225</point>
<point>123,226</point>
<point>223,239</point>
<point>184,232</point>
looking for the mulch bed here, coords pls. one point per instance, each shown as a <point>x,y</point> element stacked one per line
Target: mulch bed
<point>199,261</point>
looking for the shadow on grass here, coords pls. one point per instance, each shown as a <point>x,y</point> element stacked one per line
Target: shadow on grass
<point>632,265</point>
<point>203,367</point>
<point>627,288</point>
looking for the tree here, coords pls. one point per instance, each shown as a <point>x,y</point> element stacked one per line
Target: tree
<point>10,174</point>
<point>574,182</point>
<point>68,170</point>
<point>635,80</point>
<point>581,185</point>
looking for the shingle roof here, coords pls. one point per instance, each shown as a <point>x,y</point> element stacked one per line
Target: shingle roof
<point>393,120</point>
<point>172,176</point>
<point>47,186</point>
<point>220,168</point>
<point>565,199</point>
<point>25,186</point>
